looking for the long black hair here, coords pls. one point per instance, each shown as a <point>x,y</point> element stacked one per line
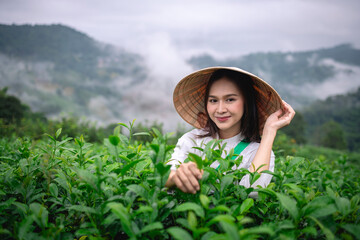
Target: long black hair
<point>250,120</point>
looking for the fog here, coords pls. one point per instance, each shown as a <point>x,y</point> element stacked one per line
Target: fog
<point>167,33</point>
<point>224,28</point>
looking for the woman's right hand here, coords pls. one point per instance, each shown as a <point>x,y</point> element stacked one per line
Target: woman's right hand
<point>186,178</point>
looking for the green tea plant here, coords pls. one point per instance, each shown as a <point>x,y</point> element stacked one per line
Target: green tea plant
<point>66,188</point>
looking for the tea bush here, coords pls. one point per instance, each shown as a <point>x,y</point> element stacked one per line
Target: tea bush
<point>66,188</point>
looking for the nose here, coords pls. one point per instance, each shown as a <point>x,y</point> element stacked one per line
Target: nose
<point>221,107</point>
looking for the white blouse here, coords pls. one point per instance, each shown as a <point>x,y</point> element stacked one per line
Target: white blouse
<point>190,140</point>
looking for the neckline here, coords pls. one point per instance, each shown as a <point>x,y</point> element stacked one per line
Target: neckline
<point>237,138</point>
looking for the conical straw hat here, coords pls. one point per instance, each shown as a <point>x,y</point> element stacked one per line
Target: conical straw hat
<point>189,97</point>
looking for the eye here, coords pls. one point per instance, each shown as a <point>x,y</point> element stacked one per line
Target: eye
<point>230,99</point>
<point>212,100</point>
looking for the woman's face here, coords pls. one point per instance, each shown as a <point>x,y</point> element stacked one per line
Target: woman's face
<point>225,107</point>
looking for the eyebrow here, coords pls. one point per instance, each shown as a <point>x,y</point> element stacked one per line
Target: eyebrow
<point>229,95</point>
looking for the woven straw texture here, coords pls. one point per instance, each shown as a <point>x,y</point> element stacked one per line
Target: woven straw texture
<point>189,97</point>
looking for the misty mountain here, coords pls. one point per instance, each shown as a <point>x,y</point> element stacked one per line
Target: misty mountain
<point>60,71</point>
<point>299,77</point>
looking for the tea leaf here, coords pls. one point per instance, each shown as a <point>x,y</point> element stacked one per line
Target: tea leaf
<point>25,226</point>
<point>195,158</point>
<point>192,220</point>
<point>41,214</point>
<point>221,218</point>
<point>261,230</point>
<point>226,181</point>
<point>231,230</point>
<point>156,132</point>
<point>152,226</point>
<point>343,204</point>
<point>120,211</point>
<point>329,235</point>
<point>144,209</point>
<point>142,134</point>
<point>124,125</point>
<point>183,222</point>
<point>53,189</point>
<point>179,233</point>
<point>319,207</point>
<point>209,235</point>
<point>114,140</point>
<point>86,232</point>
<point>246,205</point>
<point>84,209</point>
<point>220,208</point>
<point>289,204</point>
<point>139,190</point>
<point>22,207</point>
<point>5,232</point>
<point>354,229</point>
<point>162,169</point>
<point>205,201</point>
<point>58,132</point>
<point>155,147</point>
<point>191,206</point>
<point>129,166</point>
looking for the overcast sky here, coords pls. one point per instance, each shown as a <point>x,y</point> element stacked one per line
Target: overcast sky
<point>219,27</point>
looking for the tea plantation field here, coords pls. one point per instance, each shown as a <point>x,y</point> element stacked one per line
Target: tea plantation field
<point>66,188</point>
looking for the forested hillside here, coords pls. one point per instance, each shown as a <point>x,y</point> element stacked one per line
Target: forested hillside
<point>56,69</point>
<point>334,120</point>
<point>67,48</point>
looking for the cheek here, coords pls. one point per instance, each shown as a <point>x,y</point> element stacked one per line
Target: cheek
<point>209,108</point>
<point>239,107</point>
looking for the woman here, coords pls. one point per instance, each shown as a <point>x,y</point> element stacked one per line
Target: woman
<point>233,105</point>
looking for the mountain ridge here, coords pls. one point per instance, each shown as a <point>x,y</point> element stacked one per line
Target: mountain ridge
<point>109,84</point>
<point>287,71</point>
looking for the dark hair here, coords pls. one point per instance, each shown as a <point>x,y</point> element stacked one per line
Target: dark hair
<point>250,119</point>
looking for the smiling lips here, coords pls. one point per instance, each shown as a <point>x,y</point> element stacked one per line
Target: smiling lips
<point>222,119</point>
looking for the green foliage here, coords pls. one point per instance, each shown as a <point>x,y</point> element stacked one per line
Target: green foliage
<point>342,109</point>
<point>331,135</point>
<point>67,188</point>
<point>17,119</point>
<point>11,108</point>
<point>296,130</point>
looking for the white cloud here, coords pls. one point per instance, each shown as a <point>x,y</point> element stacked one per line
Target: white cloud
<point>153,98</point>
<point>346,79</point>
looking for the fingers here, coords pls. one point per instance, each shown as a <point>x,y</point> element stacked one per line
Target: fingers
<point>278,112</point>
<point>187,177</point>
<point>282,117</point>
<point>289,113</point>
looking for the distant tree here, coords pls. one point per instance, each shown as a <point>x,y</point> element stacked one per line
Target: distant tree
<point>296,130</point>
<point>11,109</point>
<point>331,135</point>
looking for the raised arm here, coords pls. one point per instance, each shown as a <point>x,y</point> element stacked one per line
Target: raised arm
<point>274,122</point>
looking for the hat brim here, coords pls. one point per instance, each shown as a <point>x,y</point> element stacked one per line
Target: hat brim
<point>189,97</point>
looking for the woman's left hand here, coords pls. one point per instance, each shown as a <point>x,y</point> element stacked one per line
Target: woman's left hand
<point>280,118</point>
